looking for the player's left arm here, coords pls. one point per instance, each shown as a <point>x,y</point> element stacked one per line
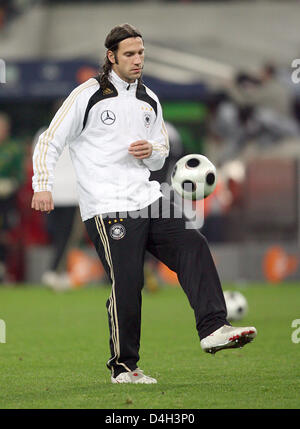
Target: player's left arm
<point>154,151</point>
<point>160,143</point>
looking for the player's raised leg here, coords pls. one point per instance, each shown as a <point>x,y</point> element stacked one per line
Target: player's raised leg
<point>186,252</point>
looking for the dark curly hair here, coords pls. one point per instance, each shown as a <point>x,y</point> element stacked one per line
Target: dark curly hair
<point>115,36</point>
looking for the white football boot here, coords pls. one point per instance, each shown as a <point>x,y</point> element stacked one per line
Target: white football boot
<point>57,282</point>
<point>228,337</point>
<point>136,377</point>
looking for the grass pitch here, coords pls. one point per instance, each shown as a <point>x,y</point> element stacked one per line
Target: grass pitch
<point>57,346</point>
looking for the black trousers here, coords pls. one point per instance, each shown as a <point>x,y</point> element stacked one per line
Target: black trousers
<point>121,240</point>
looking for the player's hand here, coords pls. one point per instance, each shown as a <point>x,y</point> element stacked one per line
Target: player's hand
<point>140,149</point>
<point>42,201</point>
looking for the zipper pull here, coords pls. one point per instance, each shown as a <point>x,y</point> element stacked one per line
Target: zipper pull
<point>128,87</point>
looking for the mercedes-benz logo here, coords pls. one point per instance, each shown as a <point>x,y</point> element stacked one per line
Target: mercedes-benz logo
<point>108,117</point>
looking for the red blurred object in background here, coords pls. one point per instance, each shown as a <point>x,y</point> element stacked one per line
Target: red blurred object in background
<point>29,229</point>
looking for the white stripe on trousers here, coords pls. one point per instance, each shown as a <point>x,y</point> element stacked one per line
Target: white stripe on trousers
<point>112,308</point>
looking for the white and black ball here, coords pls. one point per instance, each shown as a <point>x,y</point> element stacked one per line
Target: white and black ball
<point>194,177</point>
<point>236,304</point>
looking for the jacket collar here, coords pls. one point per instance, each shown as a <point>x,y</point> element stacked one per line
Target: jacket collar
<point>120,84</point>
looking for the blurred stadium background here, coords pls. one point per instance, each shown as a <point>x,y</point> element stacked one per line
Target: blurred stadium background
<point>222,70</point>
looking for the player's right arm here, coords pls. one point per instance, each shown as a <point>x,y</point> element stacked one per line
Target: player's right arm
<point>42,201</point>
<point>65,127</point>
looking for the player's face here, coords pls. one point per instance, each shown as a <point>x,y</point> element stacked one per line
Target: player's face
<point>128,63</point>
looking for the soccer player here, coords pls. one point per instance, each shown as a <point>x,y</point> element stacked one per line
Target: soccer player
<point>114,127</point>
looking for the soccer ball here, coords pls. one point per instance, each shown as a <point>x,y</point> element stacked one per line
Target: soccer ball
<point>194,177</point>
<point>237,306</point>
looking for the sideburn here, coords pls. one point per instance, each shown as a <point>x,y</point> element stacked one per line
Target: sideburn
<point>116,58</point>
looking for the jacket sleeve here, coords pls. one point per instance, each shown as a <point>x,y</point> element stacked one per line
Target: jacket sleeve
<point>64,127</point>
<point>160,143</point>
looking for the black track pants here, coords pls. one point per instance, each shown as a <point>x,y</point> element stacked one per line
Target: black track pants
<point>121,240</point>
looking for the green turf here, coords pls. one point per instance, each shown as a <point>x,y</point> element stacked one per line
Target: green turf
<point>57,346</point>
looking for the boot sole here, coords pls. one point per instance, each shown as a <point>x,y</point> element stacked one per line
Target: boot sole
<point>237,341</point>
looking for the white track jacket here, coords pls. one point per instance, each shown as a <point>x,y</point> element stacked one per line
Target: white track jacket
<point>99,126</point>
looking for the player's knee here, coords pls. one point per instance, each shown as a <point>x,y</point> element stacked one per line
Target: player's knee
<point>197,240</point>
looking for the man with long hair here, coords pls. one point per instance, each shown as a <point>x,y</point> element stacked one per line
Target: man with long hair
<point>116,134</point>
